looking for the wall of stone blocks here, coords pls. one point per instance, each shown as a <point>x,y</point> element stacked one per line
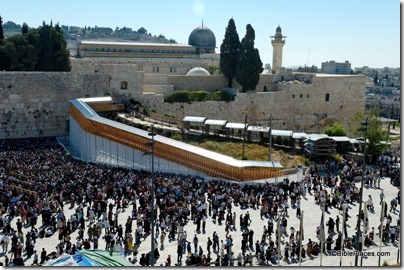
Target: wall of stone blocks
<point>298,107</point>
<point>35,103</point>
<point>165,66</point>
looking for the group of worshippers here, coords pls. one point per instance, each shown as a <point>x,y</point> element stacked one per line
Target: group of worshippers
<point>99,195</point>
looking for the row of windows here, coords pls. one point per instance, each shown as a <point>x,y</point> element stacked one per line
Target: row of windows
<point>138,50</point>
<point>327,96</point>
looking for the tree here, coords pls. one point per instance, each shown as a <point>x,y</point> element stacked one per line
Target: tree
<point>4,61</point>
<point>54,53</point>
<point>376,79</point>
<point>39,49</point>
<point>45,43</point>
<point>22,55</point>
<point>24,29</point>
<point>61,61</point>
<point>58,28</point>
<point>249,64</point>
<point>228,52</point>
<point>375,134</point>
<point>335,129</point>
<point>1,31</point>
<point>142,30</point>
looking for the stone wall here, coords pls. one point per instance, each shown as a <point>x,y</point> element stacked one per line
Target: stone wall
<point>35,104</point>
<point>299,107</point>
<point>177,66</point>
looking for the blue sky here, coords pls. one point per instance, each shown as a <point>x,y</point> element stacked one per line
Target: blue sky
<point>364,32</point>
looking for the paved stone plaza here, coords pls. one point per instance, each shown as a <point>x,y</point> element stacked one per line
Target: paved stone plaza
<point>312,216</point>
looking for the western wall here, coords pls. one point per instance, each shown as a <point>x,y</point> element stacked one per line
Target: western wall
<point>35,103</point>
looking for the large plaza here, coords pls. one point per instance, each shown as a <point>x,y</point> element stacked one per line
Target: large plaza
<point>311,212</point>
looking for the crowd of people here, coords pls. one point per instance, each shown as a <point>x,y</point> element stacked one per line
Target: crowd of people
<point>38,180</point>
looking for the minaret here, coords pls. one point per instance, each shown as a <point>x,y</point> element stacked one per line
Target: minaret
<point>277,43</point>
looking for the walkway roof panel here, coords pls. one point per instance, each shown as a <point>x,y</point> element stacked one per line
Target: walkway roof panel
<point>195,119</point>
<point>214,122</point>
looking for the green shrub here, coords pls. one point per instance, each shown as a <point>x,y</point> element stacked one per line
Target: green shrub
<point>177,137</point>
<point>188,96</point>
<point>199,95</point>
<point>216,95</point>
<point>135,102</point>
<point>306,161</point>
<point>225,96</point>
<point>178,96</point>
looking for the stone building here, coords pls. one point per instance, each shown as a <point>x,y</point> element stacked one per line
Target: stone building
<point>200,41</point>
<point>332,67</point>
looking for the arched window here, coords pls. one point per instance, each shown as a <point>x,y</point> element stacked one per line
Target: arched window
<point>124,85</point>
<point>327,97</point>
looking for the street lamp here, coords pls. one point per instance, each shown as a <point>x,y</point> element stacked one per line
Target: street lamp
<point>151,152</point>
<point>364,128</point>
<point>270,137</point>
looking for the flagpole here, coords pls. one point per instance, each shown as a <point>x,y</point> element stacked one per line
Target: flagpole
<point>301,237</point>
<point>381,230</point>
<point>279,241</point>
<point>321,236</point>
<point>365,215</point>
<point>342,234</point>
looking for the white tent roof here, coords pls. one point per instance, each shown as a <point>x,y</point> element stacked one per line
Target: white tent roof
<point>235,125</point>
<point>275,132</point>
<point>340,138</point>
<point>299,135</point>
<point>316,137</point>
<point>284,133</point>
<point>196,119</point>
<point>214,122</point>
<point>257,129</point>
